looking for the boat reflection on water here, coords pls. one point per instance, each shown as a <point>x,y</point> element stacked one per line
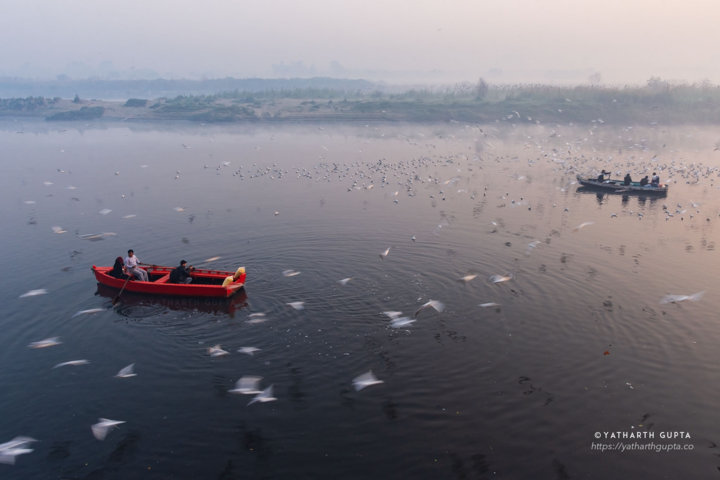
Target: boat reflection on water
<point>602,195</point>
<point>201,304</point>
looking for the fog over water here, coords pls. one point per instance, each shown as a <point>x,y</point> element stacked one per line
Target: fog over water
<point>555,331</point>
<point>515,41</point>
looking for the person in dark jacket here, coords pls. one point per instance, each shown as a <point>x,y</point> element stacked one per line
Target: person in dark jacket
<point>627,180</point>
<point>181,274</point>
<point>118,270</point>
<point>644,181</point>
<point>655,182</point>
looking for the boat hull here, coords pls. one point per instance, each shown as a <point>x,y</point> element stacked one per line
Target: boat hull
<point>617,186</point>
<point>206,283</point>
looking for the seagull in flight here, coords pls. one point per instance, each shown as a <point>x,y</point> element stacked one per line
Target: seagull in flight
<point>101,429</point>
<point>400,322</point>
<point>500,278</point>
<point>439,306</point>
<point>88,311</point>
<point>13,448</point>
<point>385,253</point>
<point>582,225</point>
<point>48,342</point>
<point>127,372</point>
<point>34,293</point>
<point>217,351</point>
<point>248,350</point>
<point>681,298</point>
<point>264,396</point>
<point>489,305</point>
<point>74,363</point>
<point>365,380</point>
<point>297,305</point>
<point>247,385</point>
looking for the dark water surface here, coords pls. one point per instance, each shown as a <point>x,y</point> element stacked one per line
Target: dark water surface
<point>580,342</point>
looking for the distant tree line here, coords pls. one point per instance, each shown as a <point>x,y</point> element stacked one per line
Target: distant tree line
<point>658,101</point>
<point>27,104</point>
<point>84,113</point>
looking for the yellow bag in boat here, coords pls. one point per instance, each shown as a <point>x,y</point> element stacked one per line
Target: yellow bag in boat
<point>238,272</point>
<point>227,281</point>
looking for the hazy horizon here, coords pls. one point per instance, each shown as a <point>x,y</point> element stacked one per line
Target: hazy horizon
<point>422,42</point>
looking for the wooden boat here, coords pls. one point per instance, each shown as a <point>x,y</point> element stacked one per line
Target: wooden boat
<point>205,283</point>
<point>617,186</point>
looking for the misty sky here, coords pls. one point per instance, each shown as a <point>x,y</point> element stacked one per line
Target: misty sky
<point>401,41</point>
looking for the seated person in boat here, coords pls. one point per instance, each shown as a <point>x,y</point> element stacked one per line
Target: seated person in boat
<point>132,265</point>
<point>644,181</point>
<point>181,273</point>
<point>655,180</point>
<point>627,180</point>
<point>118,270</point>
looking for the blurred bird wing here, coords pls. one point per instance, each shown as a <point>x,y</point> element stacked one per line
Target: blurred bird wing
<point>127,371</point>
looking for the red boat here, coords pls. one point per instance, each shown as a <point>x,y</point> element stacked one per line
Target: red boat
<point>205,282</point>
<point>215,305</point>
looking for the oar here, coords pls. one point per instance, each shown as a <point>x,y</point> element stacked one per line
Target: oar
<point>115,300</point>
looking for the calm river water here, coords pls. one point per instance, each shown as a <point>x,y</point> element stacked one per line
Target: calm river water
<point>583,351</point>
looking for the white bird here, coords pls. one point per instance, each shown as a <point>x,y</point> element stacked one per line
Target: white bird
<point>500,278</point>
<point>392,314</point>
<point>101,429</point>
<point>400,322</point>
<point>344,281</point>
<point>264,396</point>
<point>211,259</point>
<point>88,311</point>
<point>531,246</point>
<point>217,351</point>
<point>439,306</point>
<point>248,350</point>
<point>582,225</point>
<point>48,342</point>
<point>489,304</point>
<point>127,372</point>
<point>468,278</point>
<point>179,209</point>
<point>365,380</point>
<point>385,253</point>
<point>13,448</point>
<point>74,363</point>
<point>296,305</point>
<point>290,273</point>
<point>104,211</point>
<point>247,385</point>
<point>681,298</point>
<point>33,293</point>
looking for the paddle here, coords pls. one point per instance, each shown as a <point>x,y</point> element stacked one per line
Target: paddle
<point>115,300</point>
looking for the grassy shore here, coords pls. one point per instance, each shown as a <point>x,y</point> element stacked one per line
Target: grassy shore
<point>657,103</point>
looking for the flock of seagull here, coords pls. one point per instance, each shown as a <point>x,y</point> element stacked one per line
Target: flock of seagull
<point>566,159</point>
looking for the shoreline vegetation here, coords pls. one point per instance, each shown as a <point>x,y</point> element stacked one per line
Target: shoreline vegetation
<point>323,100</point>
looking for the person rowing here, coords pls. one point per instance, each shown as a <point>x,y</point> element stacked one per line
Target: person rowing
<point>181,273</point>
